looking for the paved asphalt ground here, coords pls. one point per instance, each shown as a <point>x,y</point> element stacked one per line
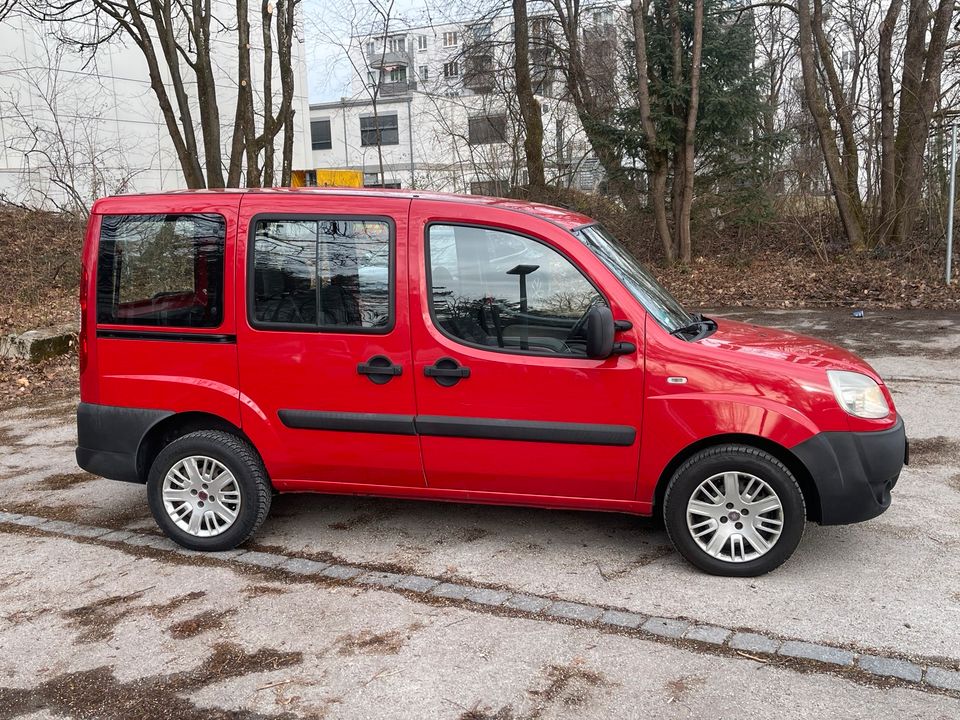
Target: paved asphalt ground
<point>122,626</point>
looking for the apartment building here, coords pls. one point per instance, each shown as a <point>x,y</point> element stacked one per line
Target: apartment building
<point>433,107</point>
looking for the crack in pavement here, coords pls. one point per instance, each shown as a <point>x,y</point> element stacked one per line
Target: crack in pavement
<point>859,664</point>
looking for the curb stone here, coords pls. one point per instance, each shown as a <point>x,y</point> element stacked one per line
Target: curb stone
<point>814,651</point>
<point>889,667</point>
<point>665,627</point>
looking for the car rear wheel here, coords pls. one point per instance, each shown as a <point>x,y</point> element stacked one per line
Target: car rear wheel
<point>208,490</point>
<point>734,510</point>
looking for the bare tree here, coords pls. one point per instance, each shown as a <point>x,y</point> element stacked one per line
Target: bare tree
<point>175,38</point>
<point>529,106</point>
<point>920,85</point>
<point>70,157</point>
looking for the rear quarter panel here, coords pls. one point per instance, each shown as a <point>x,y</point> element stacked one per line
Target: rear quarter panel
<point>163,374</point>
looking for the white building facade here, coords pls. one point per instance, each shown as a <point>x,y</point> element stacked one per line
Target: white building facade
<point>91,126</point>
<point>434,108</point>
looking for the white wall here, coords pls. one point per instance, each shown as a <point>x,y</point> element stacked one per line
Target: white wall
<point>101,116</point>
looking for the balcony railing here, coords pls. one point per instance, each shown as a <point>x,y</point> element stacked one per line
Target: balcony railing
<point>379,58</point>
<point>390,89</point>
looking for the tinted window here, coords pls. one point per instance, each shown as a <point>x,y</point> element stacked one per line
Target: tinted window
<point>326,273</point>
<point>501,290</point>
<point>164,270</point>
<point>487,129</point>
<point>384,127</point>
<point>320,135</point>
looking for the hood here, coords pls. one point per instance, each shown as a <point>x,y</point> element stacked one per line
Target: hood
<point>788,347</point>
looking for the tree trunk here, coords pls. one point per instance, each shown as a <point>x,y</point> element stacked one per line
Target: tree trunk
<point>529,106</point>
<point>686,198</point>
<point>656,158</point>
<point>207,94</point>
<point>920,90</point>
<point>847,197</point>
<point>885,71</point>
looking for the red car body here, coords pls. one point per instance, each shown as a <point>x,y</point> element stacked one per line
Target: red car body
<point>403,437</point>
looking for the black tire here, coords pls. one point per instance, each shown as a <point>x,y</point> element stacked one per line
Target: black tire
<point>242,460</point>
<point>730,458</point>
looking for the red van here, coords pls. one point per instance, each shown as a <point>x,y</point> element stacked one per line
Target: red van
<point>235,344</point>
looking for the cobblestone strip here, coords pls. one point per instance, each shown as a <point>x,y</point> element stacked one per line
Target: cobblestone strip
<point>758,646</point>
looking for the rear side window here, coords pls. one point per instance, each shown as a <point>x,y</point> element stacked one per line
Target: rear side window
<point>322,274</point>
<point>161,270</point>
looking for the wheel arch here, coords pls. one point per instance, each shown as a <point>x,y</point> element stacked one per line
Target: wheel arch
<point>807,485</point>
<point>165,431</point>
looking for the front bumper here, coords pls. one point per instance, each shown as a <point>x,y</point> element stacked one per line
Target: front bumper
<point>854,472</point>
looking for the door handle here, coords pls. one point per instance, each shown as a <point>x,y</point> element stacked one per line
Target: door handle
<point>447,371</point>
<point>379,369</point>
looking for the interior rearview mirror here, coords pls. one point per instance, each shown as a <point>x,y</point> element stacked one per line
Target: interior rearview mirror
<point>600,329</point>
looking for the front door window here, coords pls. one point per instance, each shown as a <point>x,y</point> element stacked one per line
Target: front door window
<point>507,292</point>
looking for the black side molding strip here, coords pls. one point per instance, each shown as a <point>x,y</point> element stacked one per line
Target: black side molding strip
<point>447,426</point>
<point>529,430</point>
<point>348,422</point>
<point>168,336</point>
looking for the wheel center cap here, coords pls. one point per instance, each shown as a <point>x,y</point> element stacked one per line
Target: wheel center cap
<point>202,495</point>
<point>733,515</point>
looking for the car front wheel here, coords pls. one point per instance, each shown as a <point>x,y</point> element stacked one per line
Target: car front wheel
<point>734,510</point>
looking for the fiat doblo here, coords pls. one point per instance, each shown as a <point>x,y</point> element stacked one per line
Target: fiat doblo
<point>237,344</point>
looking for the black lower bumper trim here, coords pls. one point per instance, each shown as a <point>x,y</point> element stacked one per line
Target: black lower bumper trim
<point>854,471</point>
<point>109,437</point>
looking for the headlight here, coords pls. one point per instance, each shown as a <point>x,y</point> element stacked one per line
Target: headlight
<point>858,394</point>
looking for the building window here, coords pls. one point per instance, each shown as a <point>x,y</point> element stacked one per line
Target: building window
<point>372,77</point>
<point>451,69</point>
<point>603,18</point>
<point>161,270</point>
<point>388,131</point>
<point>451,39</point>
<point>422,42</point>
<point>487,129</point>
<point>424,73</point>
<point>320,134</point>
<point>482,31</point>
<point>371,47</point>
<point>398,44</point>
<point>330,273</point>
<point>538,27</point>
<point>398,75</point>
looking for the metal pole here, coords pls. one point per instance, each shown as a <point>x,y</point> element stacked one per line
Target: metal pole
<point>953,178</point>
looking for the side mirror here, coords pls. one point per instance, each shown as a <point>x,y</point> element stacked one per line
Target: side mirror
<point>600,329</point>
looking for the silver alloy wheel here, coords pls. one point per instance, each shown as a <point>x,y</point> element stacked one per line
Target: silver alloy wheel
<point>201,496</point>
<point>735,517</point>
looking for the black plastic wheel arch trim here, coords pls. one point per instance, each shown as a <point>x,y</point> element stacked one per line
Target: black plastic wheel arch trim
<point>109,439</point>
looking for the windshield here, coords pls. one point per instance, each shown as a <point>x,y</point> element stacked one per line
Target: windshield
<point>644,287</point>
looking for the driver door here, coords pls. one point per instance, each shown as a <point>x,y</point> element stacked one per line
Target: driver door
<point>507,401</point>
